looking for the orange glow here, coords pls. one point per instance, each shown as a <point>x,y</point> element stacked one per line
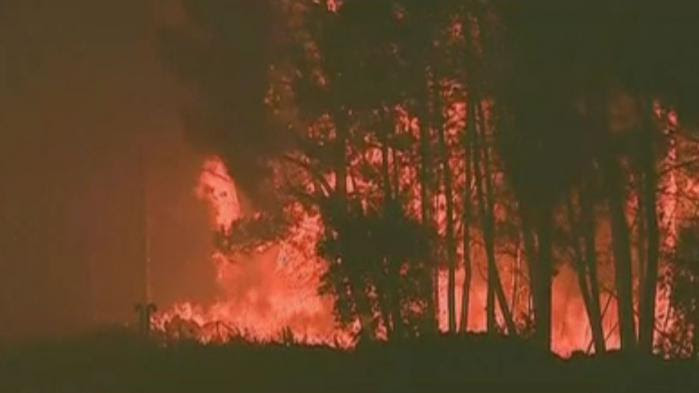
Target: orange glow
<point>274,289</point>
<point>261,294</point>
<point>218,189</point>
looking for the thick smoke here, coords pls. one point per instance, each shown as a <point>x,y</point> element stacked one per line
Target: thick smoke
<point>223,50</point>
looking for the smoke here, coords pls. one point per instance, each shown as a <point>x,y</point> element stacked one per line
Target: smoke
<point>82,92</point>
<point>222,51</point>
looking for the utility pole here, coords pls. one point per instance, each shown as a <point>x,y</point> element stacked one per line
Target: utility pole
<point>145,307</point>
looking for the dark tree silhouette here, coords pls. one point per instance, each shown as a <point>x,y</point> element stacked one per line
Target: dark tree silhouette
<point>568,101</point>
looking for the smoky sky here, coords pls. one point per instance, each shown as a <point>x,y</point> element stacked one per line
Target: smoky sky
<point>83,95</point>
<point>222,52</point>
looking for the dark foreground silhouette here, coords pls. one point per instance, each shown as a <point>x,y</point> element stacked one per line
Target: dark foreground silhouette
<point>121,363</point>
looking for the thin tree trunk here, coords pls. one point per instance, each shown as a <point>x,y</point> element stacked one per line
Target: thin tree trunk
<point>341,206</point>
<point>425,206</point>
<point>466,222</point>
<point>589,234</point>
<point>641,247</point>
<point>487,237</point>
<point>515,279</point>
<point>484,191</point>
<point>650,183</point>
<point>451,241</point>
<point>532,259</point>
<point>499,291</point>
<point>622,255</point>
<point>341,159</point>
<point>581,263</point>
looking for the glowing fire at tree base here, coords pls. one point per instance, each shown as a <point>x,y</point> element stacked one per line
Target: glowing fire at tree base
<point>271,294</point>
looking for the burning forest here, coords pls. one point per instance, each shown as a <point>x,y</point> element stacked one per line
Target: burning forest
<point>397,183</point>
<point>417,190</point>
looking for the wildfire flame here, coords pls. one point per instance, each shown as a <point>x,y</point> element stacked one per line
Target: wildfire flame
<point>264,294</point>
<point>271,293</point>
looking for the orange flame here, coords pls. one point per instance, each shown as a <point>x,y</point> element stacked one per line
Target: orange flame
<point>262,293</point>
<point>274,290</point>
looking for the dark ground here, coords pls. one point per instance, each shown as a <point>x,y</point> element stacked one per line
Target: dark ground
<point>120,363</point>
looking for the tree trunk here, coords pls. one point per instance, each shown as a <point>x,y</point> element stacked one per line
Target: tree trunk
<point>581,263</point>
<point>341,208</point>
<point>622,255</point>
<point>542,287</point>
<point>589,234</point>
<point>487,234</point>
<point>580,267</point>
<point>484,191</point>
<point>650,184</point>
<point>450,240</point>
<point>425,205</point>
<point>466,222</point>
<point>540,270</point>
<point>515,277</point>
<point>532,257</point>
